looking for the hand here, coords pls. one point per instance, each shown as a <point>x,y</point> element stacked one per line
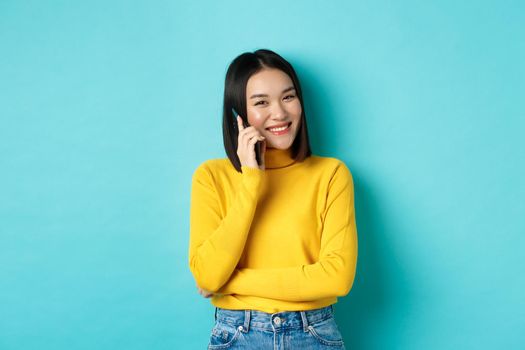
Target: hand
<point>204,292</point>
<point>246,145</point>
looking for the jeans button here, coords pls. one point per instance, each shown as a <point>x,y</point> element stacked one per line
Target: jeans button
<point>277,320</point>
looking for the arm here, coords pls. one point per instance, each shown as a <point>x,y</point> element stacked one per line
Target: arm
<point>216,243</point>
<point>332,275</point>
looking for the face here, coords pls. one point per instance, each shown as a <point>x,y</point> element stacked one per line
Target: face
<point>273,107</point>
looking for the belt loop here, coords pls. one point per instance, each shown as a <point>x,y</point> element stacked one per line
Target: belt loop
<point>215,313</point>
<point>246,325</point>
<point>305,321</point>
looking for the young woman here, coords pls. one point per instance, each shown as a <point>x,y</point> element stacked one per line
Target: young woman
<point>272,243</point>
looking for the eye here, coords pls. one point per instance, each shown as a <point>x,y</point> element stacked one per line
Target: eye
<point>259,102</point>
<point>291,97</point>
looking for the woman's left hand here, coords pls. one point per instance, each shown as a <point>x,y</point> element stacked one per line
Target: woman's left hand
<point>204,292</point>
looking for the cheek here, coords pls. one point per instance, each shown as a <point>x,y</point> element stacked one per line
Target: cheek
<point>296,111</point>
<point>255,119</point>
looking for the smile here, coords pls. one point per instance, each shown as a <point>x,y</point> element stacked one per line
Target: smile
<point>281,130</point>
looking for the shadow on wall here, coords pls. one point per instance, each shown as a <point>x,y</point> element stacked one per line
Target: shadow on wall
<point>366,309</point>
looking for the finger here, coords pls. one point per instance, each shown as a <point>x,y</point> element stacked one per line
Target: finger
<point>248,133</point>
<point>204,292</point>
<point>239,123</point>
<point>251,142</point>
<point>254,140</point>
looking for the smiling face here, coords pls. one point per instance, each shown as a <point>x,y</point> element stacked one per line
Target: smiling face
<point>273,107</point>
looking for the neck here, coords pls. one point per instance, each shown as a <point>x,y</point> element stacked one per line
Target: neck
<point>278,158</point>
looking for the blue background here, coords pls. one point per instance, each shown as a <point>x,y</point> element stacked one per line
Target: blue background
<point>107,107</point>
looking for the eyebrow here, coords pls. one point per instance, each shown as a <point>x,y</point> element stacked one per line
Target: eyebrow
<point>264,95</point>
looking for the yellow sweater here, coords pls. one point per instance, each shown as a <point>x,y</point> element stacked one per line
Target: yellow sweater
<point>280,239</point>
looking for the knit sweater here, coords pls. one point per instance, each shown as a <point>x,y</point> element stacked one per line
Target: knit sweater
<point>279,239</point>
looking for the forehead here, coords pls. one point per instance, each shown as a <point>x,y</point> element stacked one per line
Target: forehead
<point>268,80</point>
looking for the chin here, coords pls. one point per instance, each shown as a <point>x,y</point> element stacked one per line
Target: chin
<point>282,146</point>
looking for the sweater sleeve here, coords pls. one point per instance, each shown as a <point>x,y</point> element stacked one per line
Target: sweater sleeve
<point>332,275</point>
<point>216,243</point>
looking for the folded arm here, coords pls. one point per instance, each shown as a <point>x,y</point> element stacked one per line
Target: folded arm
<point>332,275</point>
<point>217,243</point>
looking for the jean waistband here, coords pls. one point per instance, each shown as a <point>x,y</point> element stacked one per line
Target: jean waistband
<point>244,319</point>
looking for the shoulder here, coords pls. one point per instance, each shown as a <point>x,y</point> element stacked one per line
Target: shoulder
<point>336,176</point>
<point>329,165</point>
<point>212,168</point>
<point>331,171</point>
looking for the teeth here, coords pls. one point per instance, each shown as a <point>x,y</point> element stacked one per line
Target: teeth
<point>279,129</point>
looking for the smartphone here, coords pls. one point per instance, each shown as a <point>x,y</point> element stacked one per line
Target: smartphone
<point>257,144</point>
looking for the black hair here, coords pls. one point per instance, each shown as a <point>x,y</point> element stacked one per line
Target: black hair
<point>237,76</point>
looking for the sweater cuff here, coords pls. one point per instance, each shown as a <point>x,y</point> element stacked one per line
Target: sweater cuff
<point>252,178</point>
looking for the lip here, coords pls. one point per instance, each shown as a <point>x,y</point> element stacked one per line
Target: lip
<point>282,132</point>
<point>278,125</point>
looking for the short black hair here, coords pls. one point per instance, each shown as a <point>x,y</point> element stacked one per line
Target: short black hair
<point>237,76</point>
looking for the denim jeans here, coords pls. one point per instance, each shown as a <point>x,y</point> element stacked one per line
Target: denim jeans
<point>251,329</point>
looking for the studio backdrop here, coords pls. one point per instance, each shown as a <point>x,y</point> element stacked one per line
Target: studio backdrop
<point>107,108</point>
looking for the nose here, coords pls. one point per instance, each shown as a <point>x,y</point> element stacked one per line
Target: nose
<point>279,112</point>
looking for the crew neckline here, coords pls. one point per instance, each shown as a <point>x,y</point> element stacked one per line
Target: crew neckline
<point>276,158</point>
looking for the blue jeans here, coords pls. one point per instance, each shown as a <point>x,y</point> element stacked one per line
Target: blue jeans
<point>251,329</point>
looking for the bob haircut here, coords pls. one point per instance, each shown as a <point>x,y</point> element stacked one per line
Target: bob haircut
<point>237,76</point>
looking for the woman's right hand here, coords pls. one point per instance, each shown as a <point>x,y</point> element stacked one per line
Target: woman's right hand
<point>246,145</point>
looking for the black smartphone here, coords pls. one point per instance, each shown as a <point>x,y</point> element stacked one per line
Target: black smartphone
<point>245,124</point>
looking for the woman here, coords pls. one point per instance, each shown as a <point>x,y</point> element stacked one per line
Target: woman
<point>273,244</point>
